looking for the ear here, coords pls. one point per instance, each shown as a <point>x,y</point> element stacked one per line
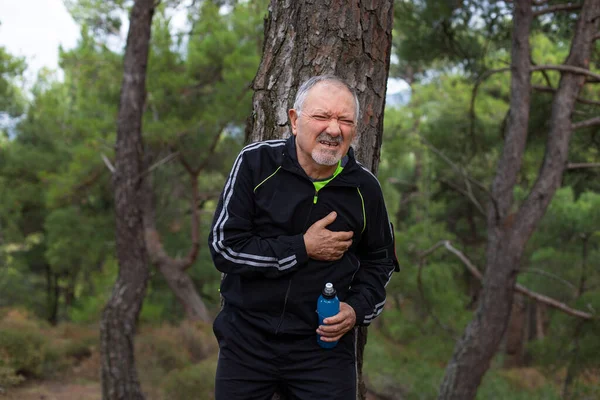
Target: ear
<point>293,120</point>
<point>354,141</point>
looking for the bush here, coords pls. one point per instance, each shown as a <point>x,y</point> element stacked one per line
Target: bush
<point>198,339</point>
<point>160,351</point>
<point>193,382</point>
<point>26,349</point>
<point>21,353</point>
<point>8,377</point>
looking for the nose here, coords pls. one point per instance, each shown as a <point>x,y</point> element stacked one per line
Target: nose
<point>333,127</point>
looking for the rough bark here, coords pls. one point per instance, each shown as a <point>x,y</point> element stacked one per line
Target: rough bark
<point>304,38</point>
<point>508,232</point>
<point>515,337</point>
<point>119,318</point>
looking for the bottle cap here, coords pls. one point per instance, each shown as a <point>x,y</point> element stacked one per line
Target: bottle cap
<point>328,290</point>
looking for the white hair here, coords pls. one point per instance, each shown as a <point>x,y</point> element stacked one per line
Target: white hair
<point>309,84</point>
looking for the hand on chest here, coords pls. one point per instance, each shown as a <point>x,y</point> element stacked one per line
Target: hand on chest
<point>291,206</point>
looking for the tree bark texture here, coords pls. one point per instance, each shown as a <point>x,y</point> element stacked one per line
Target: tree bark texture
<point>119,318</point>
<point>509,230</point>
<point>306,38</point>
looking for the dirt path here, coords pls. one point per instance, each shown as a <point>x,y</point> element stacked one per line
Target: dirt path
<point>50,390</point>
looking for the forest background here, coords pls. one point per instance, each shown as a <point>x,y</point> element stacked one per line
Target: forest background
<point>441,143</point>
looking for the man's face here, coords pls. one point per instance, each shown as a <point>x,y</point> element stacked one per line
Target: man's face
<point>325,127</point>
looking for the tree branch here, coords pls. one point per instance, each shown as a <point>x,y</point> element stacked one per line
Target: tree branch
<point>193,254</point>
<point>424,298</point>
<point>582,165</point>
<point>157,164</point>
<point>518,287</point>
<point>549,275</point>
<point>567,68</point>
<point>459,170</point>
<point>561,126</point>
<point>552,90</point>
<point>108,164</point>
<point>556,8</point>
<point>213,147</point>
<point>586,124</point>
<point>479,81</point>
<point>468,194</point>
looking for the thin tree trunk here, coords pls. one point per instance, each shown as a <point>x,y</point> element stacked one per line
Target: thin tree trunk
<point>304,38</point>
<point>118,325</point>
<point>174,269</point>
<point>509,232</point>
<point>53,294</point>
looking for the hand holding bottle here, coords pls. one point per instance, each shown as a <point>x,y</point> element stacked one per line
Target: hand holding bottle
<point>338,325</point>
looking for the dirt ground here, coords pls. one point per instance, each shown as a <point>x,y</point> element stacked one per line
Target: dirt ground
<point>49,390</point>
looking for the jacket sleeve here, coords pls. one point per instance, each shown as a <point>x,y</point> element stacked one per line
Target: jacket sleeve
<point>378,261</point>
<point>234,246</point>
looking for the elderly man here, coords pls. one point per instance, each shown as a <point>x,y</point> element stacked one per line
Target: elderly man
<point>294,215</point>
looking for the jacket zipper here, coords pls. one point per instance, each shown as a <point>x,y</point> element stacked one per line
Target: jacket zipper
<point>287,292</point>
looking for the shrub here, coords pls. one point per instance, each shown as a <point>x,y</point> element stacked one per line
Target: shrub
<point>8,377</point>
<point>23,351</point>
<point>193,382</point>
<point>160,351</point>
<point>198,339</point>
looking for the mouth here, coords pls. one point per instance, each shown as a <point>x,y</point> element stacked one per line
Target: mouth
<point>329,144</point>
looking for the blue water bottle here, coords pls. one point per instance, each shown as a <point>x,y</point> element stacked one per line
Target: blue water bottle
<point>328,305</point>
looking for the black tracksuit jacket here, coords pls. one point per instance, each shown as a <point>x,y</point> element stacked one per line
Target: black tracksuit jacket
<point>256,239</point>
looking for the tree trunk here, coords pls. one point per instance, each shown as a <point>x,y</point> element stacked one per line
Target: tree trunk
<point>302,39</point>
<point>118,325</point>
<point>174,269</point>
<point>52,294</point>
<point>516,336</point>
<point>508,232</point>
<point>177,278</point>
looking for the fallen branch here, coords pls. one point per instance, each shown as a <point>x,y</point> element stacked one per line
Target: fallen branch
<point>518,287</point>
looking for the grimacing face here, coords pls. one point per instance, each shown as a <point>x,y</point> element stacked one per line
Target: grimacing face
<point>325,127</point>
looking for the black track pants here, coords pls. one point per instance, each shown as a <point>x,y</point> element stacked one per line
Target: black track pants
<point>252,364</point>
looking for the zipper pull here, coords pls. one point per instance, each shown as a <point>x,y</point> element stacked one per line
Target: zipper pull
<point>315,199</point>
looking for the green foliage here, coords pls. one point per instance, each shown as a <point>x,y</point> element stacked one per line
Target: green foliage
<point>12,99</point>
<point>23,348</point>
<point>56,205</point>
<point>88,309</point>
<point>195,381</point>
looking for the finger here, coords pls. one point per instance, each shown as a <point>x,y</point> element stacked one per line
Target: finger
<point>337,318</point>
<point>344,245</point>
<point>323,222</point>
<point>342,235</point>
<point>330,330</point>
